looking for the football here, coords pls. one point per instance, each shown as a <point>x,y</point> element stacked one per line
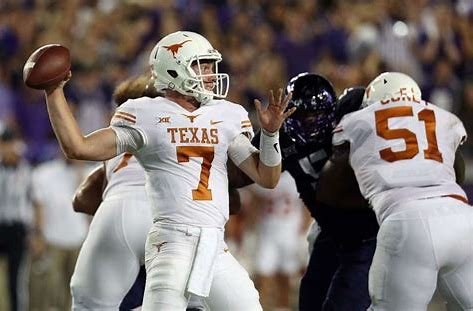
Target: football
<point>47,66</point>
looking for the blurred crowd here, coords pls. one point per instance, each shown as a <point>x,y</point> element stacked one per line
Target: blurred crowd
<point>263,43</point>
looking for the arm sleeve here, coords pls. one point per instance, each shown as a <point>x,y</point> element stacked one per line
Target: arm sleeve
<point>240,149</point>
<point>353,129</point>
<point>128,139</point>
<point>127,124</point>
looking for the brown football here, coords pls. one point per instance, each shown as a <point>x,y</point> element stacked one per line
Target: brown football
<point>47,66</point>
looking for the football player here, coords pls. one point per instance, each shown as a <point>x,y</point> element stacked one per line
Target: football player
<point>337,274</point>
<point>345,237</point>
<point>121,223</point>
<point>403,151</point>
<point>183,141</point>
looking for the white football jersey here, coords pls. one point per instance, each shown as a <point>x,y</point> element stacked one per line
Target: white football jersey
<point>124,174</point>
<point>184,156</point>
<point>402,151</point>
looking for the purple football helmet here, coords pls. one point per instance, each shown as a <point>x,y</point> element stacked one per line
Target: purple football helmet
<point>315,100</point>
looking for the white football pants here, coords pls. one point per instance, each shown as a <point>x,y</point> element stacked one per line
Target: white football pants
<point>170,251</point>
<point>428,243</point>
<point>112,253</point>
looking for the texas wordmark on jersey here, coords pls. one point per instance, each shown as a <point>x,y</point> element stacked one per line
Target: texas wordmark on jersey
<point>184,155</point>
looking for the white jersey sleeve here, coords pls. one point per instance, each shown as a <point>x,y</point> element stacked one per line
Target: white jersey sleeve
<point>241,148</point>
<point>245,123</point>
<point>350,129</point>
<point>459,130</point>
<point>339,135</point>
<point>129,127</point>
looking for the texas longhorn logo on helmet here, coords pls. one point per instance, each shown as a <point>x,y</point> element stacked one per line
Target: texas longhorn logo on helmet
<point>174,48</point>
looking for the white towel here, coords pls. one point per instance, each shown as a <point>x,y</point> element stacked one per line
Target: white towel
<point>201,275</point>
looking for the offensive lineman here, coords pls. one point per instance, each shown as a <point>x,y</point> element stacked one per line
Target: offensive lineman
<point>403,151</point>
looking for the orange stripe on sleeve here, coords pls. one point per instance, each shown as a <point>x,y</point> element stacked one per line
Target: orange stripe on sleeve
<point>119,116</point>
<point>126,114</point>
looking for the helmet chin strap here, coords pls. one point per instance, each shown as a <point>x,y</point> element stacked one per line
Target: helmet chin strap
<point>198,99</point>
<point>203,99</point>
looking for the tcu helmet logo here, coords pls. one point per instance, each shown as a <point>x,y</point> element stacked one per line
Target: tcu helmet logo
<point>174,48</point>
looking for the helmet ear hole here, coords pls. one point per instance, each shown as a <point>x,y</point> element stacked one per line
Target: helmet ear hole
<point>172,73</point>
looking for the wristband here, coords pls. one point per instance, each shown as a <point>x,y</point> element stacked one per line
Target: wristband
<point>270,153</point>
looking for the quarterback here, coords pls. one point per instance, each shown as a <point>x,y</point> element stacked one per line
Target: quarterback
<point>183,141</point>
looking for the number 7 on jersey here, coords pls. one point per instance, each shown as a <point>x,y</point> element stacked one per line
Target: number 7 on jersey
<point>184,153</point>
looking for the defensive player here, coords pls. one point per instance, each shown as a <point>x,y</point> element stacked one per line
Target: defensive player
<point>402,150</point>
<point>337,274</point>
<point>183,141</point>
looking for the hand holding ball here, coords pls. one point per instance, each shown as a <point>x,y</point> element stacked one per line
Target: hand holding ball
<point>47,67</point>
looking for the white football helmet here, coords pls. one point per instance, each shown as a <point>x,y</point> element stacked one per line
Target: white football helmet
<point>389,85</point>
<point>171,60</point>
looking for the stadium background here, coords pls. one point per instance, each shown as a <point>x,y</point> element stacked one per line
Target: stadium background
<point>263,43</point>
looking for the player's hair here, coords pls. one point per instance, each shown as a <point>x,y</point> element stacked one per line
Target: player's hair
<point>137,87</point>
